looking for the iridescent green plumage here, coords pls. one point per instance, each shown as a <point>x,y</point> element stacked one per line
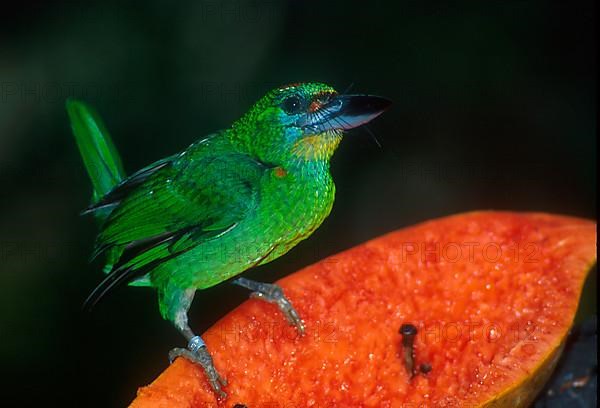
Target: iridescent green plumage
<point>236,199</point>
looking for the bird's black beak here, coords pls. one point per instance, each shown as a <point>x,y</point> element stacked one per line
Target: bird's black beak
<point>343,112</point>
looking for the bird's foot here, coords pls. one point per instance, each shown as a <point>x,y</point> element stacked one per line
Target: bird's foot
<point>273,293</point>
<point>198,353</point>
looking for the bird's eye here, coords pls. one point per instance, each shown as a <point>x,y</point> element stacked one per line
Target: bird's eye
<point>292,105</point>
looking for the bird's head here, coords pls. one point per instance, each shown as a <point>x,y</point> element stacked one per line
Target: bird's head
<point>303,122</point>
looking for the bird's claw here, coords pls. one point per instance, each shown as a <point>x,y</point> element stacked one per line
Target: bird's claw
<point>275,295</point>
<point>199,354</point>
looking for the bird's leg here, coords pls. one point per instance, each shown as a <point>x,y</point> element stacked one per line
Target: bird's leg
<point>196,350</point>
<point>273,293</point>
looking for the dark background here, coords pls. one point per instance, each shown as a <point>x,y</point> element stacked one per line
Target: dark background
<point>494,108</point>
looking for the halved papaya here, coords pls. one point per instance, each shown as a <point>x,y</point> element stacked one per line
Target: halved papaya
<point>492,296</point>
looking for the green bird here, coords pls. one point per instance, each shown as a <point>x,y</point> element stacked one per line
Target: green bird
<point>233,200</point>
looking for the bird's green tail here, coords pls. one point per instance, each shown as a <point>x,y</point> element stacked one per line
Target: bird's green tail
<point>100,158</point>
<point>99,154</point>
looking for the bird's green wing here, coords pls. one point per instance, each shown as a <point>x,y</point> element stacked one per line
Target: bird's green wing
<point>180,204</point>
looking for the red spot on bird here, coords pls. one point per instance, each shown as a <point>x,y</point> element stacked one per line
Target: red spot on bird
<point>280,172</point>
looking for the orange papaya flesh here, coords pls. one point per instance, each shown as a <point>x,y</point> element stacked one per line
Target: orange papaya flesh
<point>491,294</point>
